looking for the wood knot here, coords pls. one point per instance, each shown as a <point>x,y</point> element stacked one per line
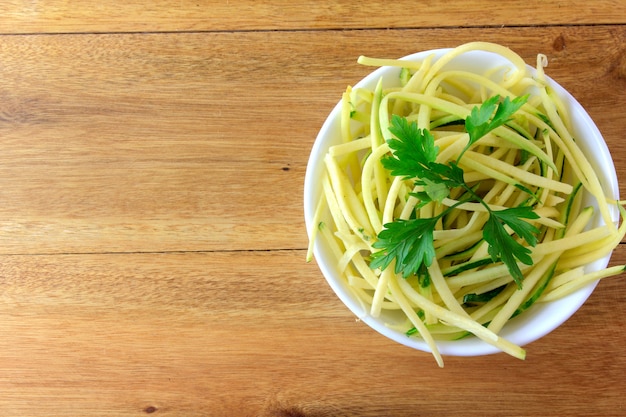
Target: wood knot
<point>559,43</point>
<point>288,412</point>
<point>299,411</point>
<point>150,409</point>
<point>618,66</point>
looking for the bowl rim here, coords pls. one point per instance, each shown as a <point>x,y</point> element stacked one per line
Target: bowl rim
<point>527,327</point>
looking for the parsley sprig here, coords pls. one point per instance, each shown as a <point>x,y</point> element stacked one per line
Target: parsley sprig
<point>411,242</point>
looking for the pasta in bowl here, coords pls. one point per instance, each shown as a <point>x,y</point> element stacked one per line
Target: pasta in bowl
<point>461,202</point>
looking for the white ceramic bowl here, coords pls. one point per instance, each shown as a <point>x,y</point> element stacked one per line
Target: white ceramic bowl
<point>534,323</point>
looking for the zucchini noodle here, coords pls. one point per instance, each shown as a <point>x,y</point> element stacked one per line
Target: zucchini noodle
<point>531,160</point>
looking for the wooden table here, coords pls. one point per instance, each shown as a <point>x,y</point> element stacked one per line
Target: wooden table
<point>152,240</point>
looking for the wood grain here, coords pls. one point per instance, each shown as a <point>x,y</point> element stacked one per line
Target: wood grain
<point>261,334</point>
<point>152,238</point>
<point>136,143</point>
<point>61,16</point>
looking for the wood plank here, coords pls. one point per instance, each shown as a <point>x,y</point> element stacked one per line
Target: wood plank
<point>261,334</point>
<point>199,141</point>
<point>60,16</point>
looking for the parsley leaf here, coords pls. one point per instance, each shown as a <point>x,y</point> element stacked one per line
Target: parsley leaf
<point>414,150</point>
<point>492,114</point>
<point>415,157</point>
<point>513,217</point>
<point>436,191</point>
<point>503,246</point>
<point>409,242</point>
